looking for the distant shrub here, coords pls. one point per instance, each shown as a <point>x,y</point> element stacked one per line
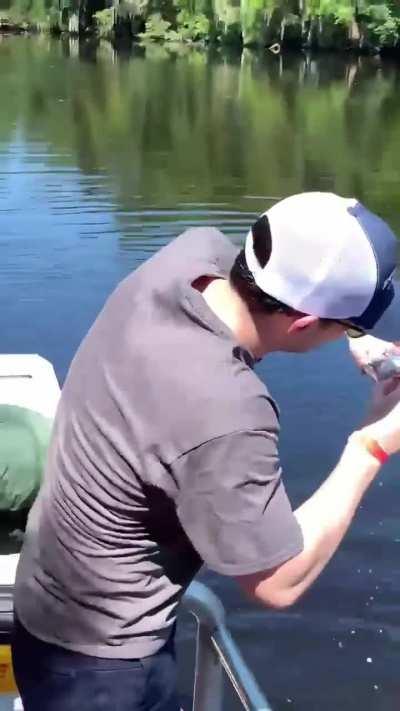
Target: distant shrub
<point>104,22</point>
<point>156,28</point>
<point>192,27</point>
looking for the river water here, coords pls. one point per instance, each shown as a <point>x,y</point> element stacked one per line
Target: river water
<point>105,157</point>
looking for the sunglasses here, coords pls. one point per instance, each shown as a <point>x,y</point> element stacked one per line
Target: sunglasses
<point>351,330</point>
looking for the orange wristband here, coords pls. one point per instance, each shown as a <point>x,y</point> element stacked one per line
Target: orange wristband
<point>374,448</point>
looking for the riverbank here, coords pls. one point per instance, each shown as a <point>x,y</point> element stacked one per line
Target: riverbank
<point>274,24</point>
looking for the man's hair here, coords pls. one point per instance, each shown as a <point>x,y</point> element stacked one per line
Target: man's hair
<point>258,301</point>
<point>242,280</point>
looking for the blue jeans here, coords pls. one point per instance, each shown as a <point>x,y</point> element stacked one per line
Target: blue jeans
<point>50,678</point>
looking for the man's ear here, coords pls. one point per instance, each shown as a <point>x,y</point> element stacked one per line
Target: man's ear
<point>298,324</point>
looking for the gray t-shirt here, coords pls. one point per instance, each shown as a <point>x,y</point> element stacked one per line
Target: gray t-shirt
<point>163,456</point>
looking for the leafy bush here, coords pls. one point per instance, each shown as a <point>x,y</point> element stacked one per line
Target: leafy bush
<point>383,24</point>
<point>157,28</point>
<point>104,21</point>
<point>192,27</point>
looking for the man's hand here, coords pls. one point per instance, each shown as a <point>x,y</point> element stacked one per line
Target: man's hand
<point>383,421</point>
<point>368,348</point>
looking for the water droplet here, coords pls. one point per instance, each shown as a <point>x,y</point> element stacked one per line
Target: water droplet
<point>352,632</point>
<point>340,645</point>
<point>380,483</point>
<point>370,571</point>
<point>369,660</point>
<point>290,701</point>
<point>371,597</point>
<point>376,687</point>
<point>380,631</point>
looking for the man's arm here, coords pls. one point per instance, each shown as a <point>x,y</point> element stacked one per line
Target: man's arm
<point>324,520</point>
<point>326,516</point>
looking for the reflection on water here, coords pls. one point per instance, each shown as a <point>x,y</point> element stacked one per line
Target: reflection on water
<point>104,158</point>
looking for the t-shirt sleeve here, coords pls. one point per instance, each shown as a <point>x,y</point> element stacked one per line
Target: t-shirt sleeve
<point>233,506</point>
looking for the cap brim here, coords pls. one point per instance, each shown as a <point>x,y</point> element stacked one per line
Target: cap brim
<point>388,326</point>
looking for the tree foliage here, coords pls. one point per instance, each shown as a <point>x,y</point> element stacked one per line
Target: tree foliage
<point>320,24</point>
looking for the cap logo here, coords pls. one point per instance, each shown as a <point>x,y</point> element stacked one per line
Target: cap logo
<point>262,242</point>
<point>389,280</point>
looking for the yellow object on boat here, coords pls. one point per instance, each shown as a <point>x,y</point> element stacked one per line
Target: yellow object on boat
<point>7,681</point>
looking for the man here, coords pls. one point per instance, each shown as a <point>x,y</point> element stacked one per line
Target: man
<point>164,452</point>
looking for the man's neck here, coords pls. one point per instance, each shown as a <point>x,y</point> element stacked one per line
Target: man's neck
<point>227,305</point>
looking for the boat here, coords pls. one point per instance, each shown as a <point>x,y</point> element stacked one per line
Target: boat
<point>29,382</point>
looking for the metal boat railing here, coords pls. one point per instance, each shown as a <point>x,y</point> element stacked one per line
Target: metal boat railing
<point>216,651</point>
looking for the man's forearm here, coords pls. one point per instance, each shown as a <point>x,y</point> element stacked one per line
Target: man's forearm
<point>324,519</point>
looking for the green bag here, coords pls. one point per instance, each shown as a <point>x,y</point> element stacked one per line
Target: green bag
<point>24,439</point>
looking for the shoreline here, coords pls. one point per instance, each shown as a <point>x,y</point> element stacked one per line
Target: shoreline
<point>121,28</point>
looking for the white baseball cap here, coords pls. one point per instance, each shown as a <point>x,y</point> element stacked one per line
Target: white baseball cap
<point>327,256</point>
